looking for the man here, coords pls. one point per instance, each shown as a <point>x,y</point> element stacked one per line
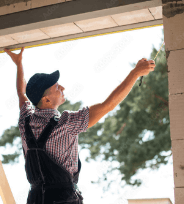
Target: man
<point>50,140</point>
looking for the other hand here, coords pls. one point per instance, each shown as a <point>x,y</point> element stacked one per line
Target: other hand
<point>144,67</point>
<point>17,58</point>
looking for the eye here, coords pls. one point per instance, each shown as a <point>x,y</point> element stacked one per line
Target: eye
<point>58,87</point>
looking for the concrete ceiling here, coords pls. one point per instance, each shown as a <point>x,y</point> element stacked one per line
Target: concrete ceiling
<point>38,22</point>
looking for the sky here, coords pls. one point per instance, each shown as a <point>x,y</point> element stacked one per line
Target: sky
<point>90,69</point>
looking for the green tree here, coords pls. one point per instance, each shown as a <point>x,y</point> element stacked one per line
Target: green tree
<point>122,134</point>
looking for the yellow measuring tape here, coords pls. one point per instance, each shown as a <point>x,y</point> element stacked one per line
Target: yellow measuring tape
<point>19,48</point>
<point>154,60</point>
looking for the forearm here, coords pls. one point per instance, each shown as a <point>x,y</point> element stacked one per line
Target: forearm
<point>21,83</point>
<point>120,93</point>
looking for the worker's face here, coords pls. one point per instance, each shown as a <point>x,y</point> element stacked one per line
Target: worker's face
<point>55,95</point>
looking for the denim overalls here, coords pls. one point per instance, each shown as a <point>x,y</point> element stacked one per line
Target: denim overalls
<point>50,182</point>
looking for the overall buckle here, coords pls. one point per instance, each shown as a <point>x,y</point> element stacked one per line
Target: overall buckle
<point>75,186</point>
<point>43,187</point>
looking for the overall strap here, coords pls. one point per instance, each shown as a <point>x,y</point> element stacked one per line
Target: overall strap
<point>79,164</point>
<point>41,141</point>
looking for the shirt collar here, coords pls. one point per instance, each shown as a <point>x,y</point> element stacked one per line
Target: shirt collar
<point>43,112</point>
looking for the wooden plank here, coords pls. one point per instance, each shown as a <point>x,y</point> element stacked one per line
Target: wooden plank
<point>5,191</point>
<point>133,17</point>
<point>96,23</point>
<point>156,12</point>
<point>150,201</point>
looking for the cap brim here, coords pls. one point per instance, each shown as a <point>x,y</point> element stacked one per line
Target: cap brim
<point>53,77</point>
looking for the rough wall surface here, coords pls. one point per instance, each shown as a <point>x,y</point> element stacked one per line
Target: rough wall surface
<point>173,21</point>
<point>9,2</point>
<point>13,6</point>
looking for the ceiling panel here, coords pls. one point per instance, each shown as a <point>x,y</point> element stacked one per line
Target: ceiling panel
<point>133,17</point>
<point>61,30</point>
<point>96,23</point>
<point>29,36</point>
<point>34,29</point>
<point>156,11</point>
<point>6,41</point>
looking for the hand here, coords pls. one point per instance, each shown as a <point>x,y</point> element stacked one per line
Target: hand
<point>144,67</point>
<point>17,58</point>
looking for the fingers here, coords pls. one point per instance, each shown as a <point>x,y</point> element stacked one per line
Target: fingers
<point>143,59</point>
<point>152,61</point>
<point>152,64</point>
<point>149,61</point>
<point>22,49</point>
<point>7,51</point>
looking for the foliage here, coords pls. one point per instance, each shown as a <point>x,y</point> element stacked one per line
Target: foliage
<point>122,135</point>
<point>122,138</point>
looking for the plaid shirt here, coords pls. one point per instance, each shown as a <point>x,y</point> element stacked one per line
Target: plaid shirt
<point>62,144</point>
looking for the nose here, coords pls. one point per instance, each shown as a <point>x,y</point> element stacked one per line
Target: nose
<point>62,88</point>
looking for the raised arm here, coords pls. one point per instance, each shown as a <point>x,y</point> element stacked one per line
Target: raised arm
<point>96,112</point>
<point>121,91</point>
<point>21,83</point>
<point>142,68</point>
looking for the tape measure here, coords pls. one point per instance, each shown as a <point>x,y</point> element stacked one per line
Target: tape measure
<point>154,60</point>
<point>19,48</point>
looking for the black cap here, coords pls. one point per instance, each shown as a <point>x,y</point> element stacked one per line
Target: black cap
<point>38,83</point>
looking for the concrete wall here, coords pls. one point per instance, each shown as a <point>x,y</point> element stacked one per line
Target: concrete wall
<point>12,6</point>
<point>173,22</point>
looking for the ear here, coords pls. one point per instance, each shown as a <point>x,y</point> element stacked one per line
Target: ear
<point>45,99</point>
